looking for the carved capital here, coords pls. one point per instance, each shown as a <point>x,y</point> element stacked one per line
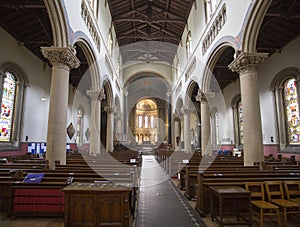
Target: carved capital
<point>247,62</point>
<point>176,117</point>
<point>96,95</point>
<point>200,97</point>
<point>64,57</point>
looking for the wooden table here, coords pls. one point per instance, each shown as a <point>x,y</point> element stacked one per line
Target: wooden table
<point>99,204</point>
<point>230,200</point>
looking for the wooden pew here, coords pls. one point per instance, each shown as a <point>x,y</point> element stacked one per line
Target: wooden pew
<point>205,180</point>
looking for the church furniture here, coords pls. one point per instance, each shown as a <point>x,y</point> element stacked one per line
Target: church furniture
<point>275,195</point>
<point>205,180</point>
<point>99,204</point>
<point>38,200</point>
<point>258,201</point>
<point>230,200</point>
<point>292,190</point>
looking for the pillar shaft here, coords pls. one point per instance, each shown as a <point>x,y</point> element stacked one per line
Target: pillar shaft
<point>176,132</point>
<point>62,60</point>
<point>205,128</point>
<point>95,121</point>
<point>187,129</point>
<point>109,126</point>
<point>246,65</point>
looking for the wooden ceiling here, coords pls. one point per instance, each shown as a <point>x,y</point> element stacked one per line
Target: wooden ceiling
<point>141,21</point>
<point>280,26</point>
<point>28,22</point>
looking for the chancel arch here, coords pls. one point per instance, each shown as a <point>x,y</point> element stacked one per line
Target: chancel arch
<point>146,118</point>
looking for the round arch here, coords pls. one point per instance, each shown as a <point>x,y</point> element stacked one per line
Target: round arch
<point>108,92</point>
<point>251,31</point>
<point>91,62</point>
<point>210,64</point>
<point>60,29</point>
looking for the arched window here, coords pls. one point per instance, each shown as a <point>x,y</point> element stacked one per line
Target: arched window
<point>140,121</point>
<point>152,122</point>
<point>292,110</point>
<point>146,122</point>
<point>188,44</point>
<point>110,42</point>
<point>285,87</point>
<point>8,93</point>
<point>12,85</point>
<point>215,126</point>
<point>79,134</point>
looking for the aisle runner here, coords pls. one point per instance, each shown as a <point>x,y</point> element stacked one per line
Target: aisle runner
<point>160,203</point>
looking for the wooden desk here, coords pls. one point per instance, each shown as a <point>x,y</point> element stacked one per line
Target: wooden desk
<point>99,204</point>
<point>230,200</point>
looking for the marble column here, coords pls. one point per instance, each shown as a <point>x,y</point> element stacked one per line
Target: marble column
<point>62,61</point>
<point>95,120</point>
<point>246,65</point>
<point>206,147</point>
<point>187,128</point>
<point>109,126</point>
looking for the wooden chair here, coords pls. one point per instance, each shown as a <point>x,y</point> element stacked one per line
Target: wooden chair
<point>258,201</point>
<point>275,195</point>
<point>292,191</point>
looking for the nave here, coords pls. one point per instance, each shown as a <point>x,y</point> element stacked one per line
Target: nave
<point>160,202</point>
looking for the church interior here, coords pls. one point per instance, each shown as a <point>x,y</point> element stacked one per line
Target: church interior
<point>149,113</point>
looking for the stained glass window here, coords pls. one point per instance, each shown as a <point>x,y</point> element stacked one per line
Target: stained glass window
<point>7,106</point>
<point>292,111</point>
<point>240,122</point>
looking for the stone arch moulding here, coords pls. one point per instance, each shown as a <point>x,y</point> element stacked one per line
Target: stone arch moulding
<point>109,92</point>
<point>59,22</point>
<point>84,44</point>
<point>253,24</point>
<point>211,62</point>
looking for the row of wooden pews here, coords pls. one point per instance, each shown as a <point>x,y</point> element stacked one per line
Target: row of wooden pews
<point>197,176</point>
<point>20,197</point>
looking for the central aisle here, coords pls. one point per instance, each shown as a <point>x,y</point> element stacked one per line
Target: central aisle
<point>161,204</point>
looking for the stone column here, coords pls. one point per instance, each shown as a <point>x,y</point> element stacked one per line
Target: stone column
<point>109,126</point>
<point>169,118</point>
<point>15,137</point>
<point>62,61</point>
<point>126,118</point>
<point>177,131</point>
<point>206,147</point>
<point>246,65</point>
<point>187,128</point>
<point>95,121</point>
